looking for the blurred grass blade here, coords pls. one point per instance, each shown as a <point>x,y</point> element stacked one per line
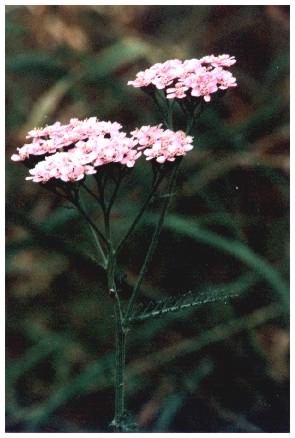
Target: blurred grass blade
<point>125,51</point>
<point>59,219</point>
<point>48,102</point>
<point>94,68</point>
<point>235,248</point>
<point>216,334</point>
<point>34,355</point>
<point>35,62</point>
<point>176,400</point>
<point>77,385</point>
<point>51,241</point>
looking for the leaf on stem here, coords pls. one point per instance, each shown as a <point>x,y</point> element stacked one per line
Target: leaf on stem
<point>182,302</point>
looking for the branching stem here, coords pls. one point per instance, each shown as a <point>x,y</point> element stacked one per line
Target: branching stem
<point>140,213</point>
<point>153,244</point>
<point>94,230</point>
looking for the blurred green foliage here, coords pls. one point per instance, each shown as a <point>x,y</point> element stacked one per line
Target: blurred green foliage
<point>221,367</point>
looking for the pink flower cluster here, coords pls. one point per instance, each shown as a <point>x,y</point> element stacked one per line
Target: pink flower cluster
<point>70,152</point>
<point>194,77</point>
<point>62,165</point>
<point>56,137</point>
<point>162,145</point>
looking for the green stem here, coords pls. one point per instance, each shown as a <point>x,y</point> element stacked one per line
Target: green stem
<point>98,246</point>
<point>118,421</point>
<point>153,245</point>
<point>113,197</point>
<point>183,108</point>
<point>95,231</point>
<point>90,192</point>
<point>170,114</point>
<point>194,114</point>
<point>120,334</point>
<point>140,213</point>
<point>155,96</point>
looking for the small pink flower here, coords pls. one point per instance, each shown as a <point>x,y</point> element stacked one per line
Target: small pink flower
<point>223,61</point>
<point>225,79</point>
<point>143,79</point>
<point>146,135</point>
<point>204,89</point>
<point>179,91</point>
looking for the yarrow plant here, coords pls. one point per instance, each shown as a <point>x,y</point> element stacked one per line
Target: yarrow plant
<point>68,159</point>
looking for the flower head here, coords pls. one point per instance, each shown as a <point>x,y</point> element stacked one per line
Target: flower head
<point>193,77</point>
<point>162,145</point>
<point>69,152</point>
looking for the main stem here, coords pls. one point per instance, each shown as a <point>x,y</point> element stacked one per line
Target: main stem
<point>120,333</point>
<point>118,421</point>
<point>122,321</point>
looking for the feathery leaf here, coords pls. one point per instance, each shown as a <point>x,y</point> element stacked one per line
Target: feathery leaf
<point>174,304</point>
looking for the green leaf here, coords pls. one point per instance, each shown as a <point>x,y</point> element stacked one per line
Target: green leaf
<point>182,302</point>
<point>148,331</point>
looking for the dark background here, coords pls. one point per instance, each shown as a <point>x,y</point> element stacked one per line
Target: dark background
<point>222,367</point>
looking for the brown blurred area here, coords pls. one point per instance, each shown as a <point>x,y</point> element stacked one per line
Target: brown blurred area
<point>223,367</point>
